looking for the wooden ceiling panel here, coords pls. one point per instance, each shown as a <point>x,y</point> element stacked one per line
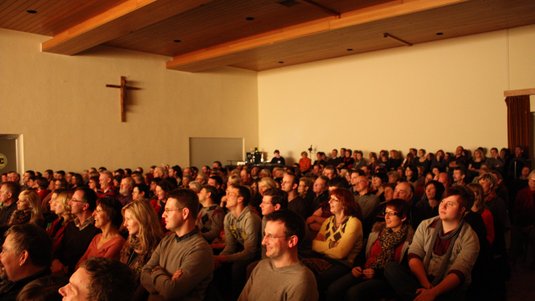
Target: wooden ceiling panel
<point>52,17</point>
<point>218,22</point>
<point>452,21</point>
<point>205,34</point>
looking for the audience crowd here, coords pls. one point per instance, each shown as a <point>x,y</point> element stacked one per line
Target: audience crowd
<point>423,226</point>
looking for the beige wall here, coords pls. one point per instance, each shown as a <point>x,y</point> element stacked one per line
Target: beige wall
<point>70,120</point>
<point>433,95</point>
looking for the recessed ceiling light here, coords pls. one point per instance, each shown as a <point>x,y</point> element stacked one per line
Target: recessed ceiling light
<point>31,11</point>
<point>440,33</point>
<point>177,41</point>
<point>249,18</point>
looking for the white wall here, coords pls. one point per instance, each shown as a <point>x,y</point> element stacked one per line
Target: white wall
<point>434,95</point>
<point>70,120</point>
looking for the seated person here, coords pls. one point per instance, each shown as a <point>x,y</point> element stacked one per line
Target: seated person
<point>28,209</point>
<point>108,219</point>
<point>281,276</point>
<point>388,241</point>
<point>181,266</point>
<point>443,251</point>
<point>144,234</point>
<point>242,235</point>
<point>339,239</point>
<point>100,279</point>
<point>78,234</point>
<point>211,215</point>
<point>26,256</point>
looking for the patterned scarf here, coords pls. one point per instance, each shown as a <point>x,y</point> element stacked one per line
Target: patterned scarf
<point>389,241</point>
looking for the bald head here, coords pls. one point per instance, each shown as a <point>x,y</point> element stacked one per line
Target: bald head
<point>403,191</point>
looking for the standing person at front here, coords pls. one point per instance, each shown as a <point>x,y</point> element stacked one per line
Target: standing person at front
<point>181,266</point>
<point>443,251</point>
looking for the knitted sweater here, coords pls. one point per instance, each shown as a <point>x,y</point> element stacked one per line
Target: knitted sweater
<point>342,243</point>
<point>268,283</point>
<point>190,254</point>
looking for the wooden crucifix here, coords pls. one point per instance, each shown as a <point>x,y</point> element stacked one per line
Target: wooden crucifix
<point>123,88</point>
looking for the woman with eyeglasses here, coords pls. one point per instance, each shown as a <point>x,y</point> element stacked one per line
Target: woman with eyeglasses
<point>388,241</point>
<point>339,239</point>
<point>108,219</point>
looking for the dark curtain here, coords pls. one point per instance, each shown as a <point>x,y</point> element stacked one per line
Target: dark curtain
<point>518,121</point>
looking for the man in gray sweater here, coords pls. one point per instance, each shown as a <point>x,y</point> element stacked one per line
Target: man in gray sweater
<point>181,266</point>
<point>242,239</point>
<point>281,276</point>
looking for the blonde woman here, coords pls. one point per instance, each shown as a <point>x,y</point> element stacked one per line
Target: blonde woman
<point>59,205</point>
<point>28,209</point>
<point>144,234</point>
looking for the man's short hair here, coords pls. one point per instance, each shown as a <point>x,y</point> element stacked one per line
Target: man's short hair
<point>13,188</point>
<point>461,169</point>
<point>110,280</point>
<point>359,172</point>
<point>214,195</point>
<point>294,224</point>
<point>167,185</point>
<point>186,198</point>
<point>34,240</point>
<point>295,179</point>
<point>466,196</point>
<point>338,183</point>
<point>90,197</point>
<point>217,179</point>
<point>41,182</point>
<point>245,193</point>
<point>277,197</point>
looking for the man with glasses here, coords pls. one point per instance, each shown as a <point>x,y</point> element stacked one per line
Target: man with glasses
<point>281,276</point>
<point>79,233</point>
<point>181,266</point>
<point>242,237</point>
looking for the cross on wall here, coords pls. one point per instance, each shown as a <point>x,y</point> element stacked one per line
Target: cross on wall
<point>123,87</point>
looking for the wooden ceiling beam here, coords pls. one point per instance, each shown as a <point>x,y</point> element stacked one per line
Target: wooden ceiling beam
<point>120,20</point>
<point>226,53</point>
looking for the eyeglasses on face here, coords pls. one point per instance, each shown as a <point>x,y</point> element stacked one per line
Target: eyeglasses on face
<point>167,210</point>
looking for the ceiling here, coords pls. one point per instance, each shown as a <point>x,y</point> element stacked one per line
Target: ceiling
<point>201,35</point>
